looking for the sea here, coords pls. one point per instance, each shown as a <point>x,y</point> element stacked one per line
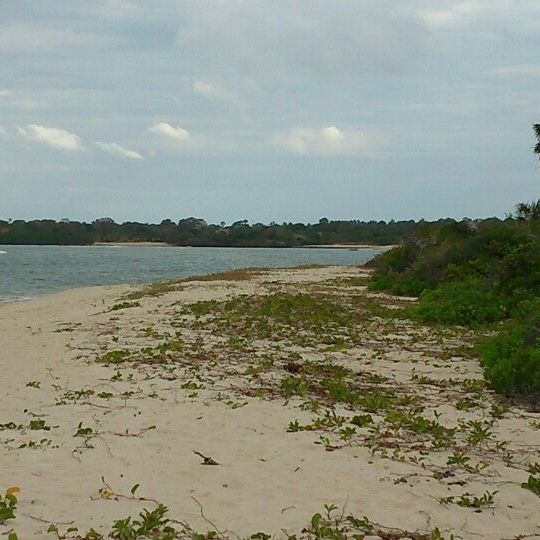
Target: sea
<point>31,271</point>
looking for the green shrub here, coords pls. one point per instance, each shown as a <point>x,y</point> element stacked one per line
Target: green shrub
<point>506,255</point>
<point>511,359</point>
<point>467,303</point>
<point>472,274</point>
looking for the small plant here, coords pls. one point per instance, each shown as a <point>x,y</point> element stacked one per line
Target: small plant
<point>463,461</point>
<point>532,484</point>
<point>487,500</point>
<point>362,420</point>
<point>347,433</point>
<point>292,386</point>
<point>191,385</point>
<point>459,459</point>
<point>465,404</point>
<point>11,426</point>
<point>236,404</point>
<point>440,435</point>
<point>114,357</point>
<point>8,505</point>
<point>38,444</point>
<point>83,431</point>
<point>473,386</point>
<point>38,425</point>
<point>477,432</point>
<point>336,528</point>
<point>151,524</point>
<point>125,305</point>
<point>295,427</point>
<point>498,410</point>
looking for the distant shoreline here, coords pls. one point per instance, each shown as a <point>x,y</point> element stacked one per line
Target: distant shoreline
<point>310,246</point>
<point>351,246</point>
<point>134,244</point>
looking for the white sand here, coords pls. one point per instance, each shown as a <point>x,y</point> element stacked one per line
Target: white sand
<point>268,480</point>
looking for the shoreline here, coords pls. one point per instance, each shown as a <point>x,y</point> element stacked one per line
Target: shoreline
<point>193,277</point>
<point>133,244</point>
<point>164,244</point>
<point>83,289</point>
<point>212,276</point>
<point>351,246</point>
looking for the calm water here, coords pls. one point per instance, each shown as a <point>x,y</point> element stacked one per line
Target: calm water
<point>30,271</point>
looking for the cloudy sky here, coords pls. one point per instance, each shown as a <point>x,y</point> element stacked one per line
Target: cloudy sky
<point>285,110</point>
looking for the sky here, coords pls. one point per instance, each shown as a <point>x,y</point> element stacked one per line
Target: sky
<point>267,110</point>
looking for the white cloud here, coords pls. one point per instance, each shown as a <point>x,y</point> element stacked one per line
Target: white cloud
<point>28,36</point>
<point>116,149</point>
<point>9,98</point>
<point>455,13</point>
<point>163,128</point>
<point>328,141</point>
<point>55,137</point>
<point>518,70</point>
<point>213,91</point>
<point>3,131</point>
<point>205,88</point>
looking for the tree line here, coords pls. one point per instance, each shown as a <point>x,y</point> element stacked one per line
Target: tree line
<point>196,232</point>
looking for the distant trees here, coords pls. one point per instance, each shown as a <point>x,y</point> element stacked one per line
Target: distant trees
<point>194,231</point>
<point>536,128</point>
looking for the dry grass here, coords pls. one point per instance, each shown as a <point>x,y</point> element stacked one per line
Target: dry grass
<point>240,274</point>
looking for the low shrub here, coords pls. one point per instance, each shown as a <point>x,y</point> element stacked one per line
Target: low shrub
<point>467,303</point>
<point>471,274</point>
<point>511,359</point>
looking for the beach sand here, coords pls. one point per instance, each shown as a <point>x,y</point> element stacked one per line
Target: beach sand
<point>223,398</point>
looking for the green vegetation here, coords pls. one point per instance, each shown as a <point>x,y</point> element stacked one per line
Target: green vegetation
<point>276,316</point>
<point>163,287</point>
<point>8,505</point>
<point>301,318</point>
<point>487,500</point>
<point>124,305</point>
<point>477,274</point>
<point>114,357</point>
<point>532,484</point>
<point>196,232</point>
<point>330,524</point>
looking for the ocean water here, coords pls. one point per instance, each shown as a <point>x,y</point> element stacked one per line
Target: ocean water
<point>32,271</point>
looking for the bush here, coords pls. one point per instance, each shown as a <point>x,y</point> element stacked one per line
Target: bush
<point>472,274</point>
<point>511,359</point>
<point>506,255</point>
<point>466,303</point>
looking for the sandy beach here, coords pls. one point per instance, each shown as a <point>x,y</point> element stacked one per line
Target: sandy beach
<point>117,398</point>
<point>350,246</point>
<point>133,244</point>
